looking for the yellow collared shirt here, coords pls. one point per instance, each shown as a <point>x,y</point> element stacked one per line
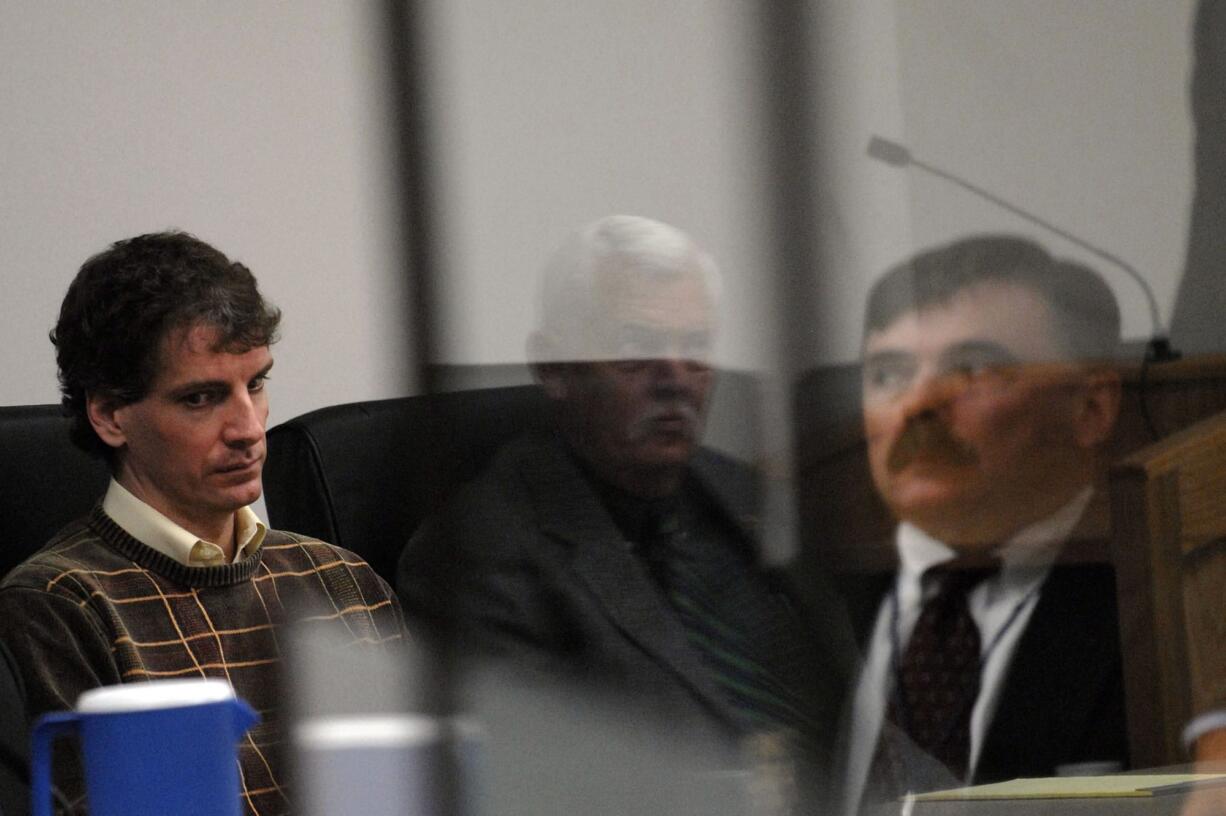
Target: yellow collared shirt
<point>157,532</point>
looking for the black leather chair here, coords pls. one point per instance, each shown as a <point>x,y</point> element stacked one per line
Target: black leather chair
<point>14,739</point>
<point>45,481</point>
<point>364,475</point>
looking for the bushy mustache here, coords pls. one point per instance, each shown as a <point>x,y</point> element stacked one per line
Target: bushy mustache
<point>926,437</point>
<point>640,426</point>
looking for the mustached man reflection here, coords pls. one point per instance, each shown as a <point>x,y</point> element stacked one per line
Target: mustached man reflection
<point>616,550</point>
<point>987,397</point>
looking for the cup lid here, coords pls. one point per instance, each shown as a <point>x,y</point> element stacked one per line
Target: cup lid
<point>154,694</point>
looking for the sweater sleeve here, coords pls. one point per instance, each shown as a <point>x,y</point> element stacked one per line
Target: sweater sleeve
<point>60,649</point>
<point>59,645</point>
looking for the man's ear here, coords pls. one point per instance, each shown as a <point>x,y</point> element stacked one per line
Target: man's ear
<point>102,416</point>
<point>1098,407</point>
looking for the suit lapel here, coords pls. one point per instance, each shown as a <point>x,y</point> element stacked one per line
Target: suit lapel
<point>605,564</point>
<point>863,594</point>
<point>1057,676</point>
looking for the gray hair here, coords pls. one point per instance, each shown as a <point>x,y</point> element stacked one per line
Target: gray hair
<point>569,305</point>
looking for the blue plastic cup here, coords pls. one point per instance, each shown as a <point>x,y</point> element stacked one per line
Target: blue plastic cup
<point>150,749</point>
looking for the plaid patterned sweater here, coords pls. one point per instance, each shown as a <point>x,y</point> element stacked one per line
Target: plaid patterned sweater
<point>96,607</point>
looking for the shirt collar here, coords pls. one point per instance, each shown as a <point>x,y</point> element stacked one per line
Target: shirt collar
<point>157,532</point>
<point>1035,546</point>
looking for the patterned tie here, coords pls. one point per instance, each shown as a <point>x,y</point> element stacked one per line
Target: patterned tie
<point>938,674</point>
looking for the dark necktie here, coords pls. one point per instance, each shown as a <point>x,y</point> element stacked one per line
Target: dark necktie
<point>937,679</point>
<point>701,591</point>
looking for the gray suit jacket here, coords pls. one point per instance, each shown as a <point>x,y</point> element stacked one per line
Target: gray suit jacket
<point>526,564</point>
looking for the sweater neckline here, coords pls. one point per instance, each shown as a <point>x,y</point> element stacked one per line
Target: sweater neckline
<point>156,562</point>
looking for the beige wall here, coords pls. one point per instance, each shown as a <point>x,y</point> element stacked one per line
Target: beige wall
<point>261,127</point>
<point>1077,110</point>
<point>551,113</point>
<point>1074,109</point>
<point>256,125</point>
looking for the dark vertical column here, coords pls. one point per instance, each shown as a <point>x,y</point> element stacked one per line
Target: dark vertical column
<point>1197,326</point>
<point>789,102</point>
<point>435,672</point>
<point>404,30</point>
<point>787,111</point>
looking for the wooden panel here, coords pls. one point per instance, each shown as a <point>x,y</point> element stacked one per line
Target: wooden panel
<point>1201,501</point>
<point>1204,598</point>
<point>1169,526</point>
<point>1145,521</point>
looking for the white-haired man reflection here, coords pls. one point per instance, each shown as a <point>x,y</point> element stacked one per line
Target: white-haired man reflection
<point>627,317</point>
<point>987,397</point>
<point>616,550</point>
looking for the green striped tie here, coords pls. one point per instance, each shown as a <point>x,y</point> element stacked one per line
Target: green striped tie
<point>736,624</point>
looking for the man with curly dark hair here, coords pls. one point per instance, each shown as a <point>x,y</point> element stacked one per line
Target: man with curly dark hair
<point>163,347</point>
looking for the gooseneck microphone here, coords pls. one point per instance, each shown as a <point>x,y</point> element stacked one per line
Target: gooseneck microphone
<point>1157,350</point>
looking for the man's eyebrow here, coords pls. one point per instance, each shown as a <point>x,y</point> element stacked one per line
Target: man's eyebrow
<point>981,349</point>
<point>213,385</point>
<point>197,385</point>
<point>884,356</point>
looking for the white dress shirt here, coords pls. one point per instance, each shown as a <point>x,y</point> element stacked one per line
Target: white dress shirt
<point>157,532</point>
<point>1000,606</point>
